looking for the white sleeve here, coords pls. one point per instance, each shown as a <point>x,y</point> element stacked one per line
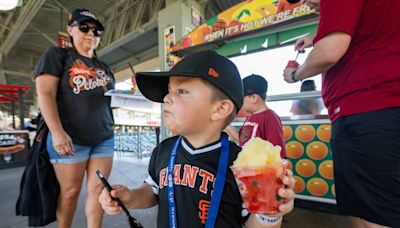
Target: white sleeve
<point>153,184</point>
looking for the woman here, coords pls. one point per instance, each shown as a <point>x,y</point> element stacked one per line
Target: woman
<point>70,84</point>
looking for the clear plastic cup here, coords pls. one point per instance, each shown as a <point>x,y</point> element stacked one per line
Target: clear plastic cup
<point>259,186</point>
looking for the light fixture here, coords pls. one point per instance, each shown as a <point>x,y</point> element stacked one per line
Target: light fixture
<point>8,4</point>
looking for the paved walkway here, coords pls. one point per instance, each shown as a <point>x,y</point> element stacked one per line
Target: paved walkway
<point>132,172</point>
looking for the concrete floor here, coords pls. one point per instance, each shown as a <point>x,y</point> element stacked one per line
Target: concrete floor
<point>132,172</point>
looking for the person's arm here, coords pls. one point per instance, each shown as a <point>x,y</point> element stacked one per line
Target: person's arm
<point>275,220</point>
<point>326,53</point>
<point>232,132</point>
<point>46,88</point>
<point>138,198</point>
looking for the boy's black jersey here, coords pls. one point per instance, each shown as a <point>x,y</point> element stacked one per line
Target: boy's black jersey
<point>194,177</point>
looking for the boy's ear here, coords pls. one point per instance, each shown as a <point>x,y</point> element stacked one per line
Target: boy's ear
<point>222,109</point>
<point>69,30</point>
<point>255,98</point>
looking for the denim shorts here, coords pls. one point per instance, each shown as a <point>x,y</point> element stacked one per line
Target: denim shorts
<point>104,149</point>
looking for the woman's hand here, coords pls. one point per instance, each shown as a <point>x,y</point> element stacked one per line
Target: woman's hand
<point>62,143</point>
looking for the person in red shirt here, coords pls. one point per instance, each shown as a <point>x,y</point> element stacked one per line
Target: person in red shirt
<point>263,122</point>
<point>357,50</point>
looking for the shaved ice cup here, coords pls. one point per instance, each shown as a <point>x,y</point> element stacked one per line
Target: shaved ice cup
<point>259,186</point>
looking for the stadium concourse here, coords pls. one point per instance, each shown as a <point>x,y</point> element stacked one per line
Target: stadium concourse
<point>132,172</point>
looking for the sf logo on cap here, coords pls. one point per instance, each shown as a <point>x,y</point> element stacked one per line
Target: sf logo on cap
<point>213,73</point>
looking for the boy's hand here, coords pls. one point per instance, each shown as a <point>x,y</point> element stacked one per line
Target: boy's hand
<point>287,194</point>
<point>111,206</point>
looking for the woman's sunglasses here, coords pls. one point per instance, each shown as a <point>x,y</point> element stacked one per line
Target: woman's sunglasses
<point>85,29</point>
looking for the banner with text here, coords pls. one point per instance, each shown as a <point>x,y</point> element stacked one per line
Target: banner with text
<point>244,17</point>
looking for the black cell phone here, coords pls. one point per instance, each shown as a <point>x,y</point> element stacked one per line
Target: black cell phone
<point>105,182</point>
<point>132,221</point>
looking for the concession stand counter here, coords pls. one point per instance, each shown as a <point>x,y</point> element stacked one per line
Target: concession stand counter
<point>14,144</point>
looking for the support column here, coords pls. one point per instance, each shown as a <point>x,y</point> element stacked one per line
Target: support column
<point>21,109</point>
<point>13,113</point>
<point>174,22</point>
<point>3,79</point>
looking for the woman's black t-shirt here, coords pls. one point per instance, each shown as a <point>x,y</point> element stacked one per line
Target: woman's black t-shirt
<point>84,111</point>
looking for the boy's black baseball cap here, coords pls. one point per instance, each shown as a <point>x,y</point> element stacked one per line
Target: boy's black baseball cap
<point>254,84</point>
<point>293,1</point>
<point>215,68</point>
<point>84,15</point>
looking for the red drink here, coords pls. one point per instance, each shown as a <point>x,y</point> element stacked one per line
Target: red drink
<point>292,64</point>
<point>259,186</point>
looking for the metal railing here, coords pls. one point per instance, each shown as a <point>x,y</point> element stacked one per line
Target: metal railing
<point>136,142</point>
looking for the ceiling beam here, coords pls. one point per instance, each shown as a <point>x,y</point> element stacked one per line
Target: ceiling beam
<point>6,23</point>
<point>138,15</point>
<point>28,12</point>
<point>135,59</point>
<point>5,26</point>
<point>65,10</point>
<point>47,37</point>
<point>156,6</point>
<point>17,73</point>
<point>152,24</point>
<point>122,21</point>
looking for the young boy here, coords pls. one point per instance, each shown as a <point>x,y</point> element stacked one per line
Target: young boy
<point>201,96</point>
<point>262,121</point>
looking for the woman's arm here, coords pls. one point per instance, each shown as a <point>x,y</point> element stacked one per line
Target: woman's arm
<point>46,89</point>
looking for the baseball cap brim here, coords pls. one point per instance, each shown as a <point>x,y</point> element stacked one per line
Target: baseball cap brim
<point>153,85</point>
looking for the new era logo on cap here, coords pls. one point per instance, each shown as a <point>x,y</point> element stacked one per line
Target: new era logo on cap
<point>213,73</point>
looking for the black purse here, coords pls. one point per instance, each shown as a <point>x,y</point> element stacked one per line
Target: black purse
<point>39,188</point>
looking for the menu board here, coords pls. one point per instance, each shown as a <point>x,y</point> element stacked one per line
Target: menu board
<point>14,146</point>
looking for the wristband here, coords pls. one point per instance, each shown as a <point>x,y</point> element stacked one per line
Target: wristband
<point>293,76</point>
<point>263,219</point>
